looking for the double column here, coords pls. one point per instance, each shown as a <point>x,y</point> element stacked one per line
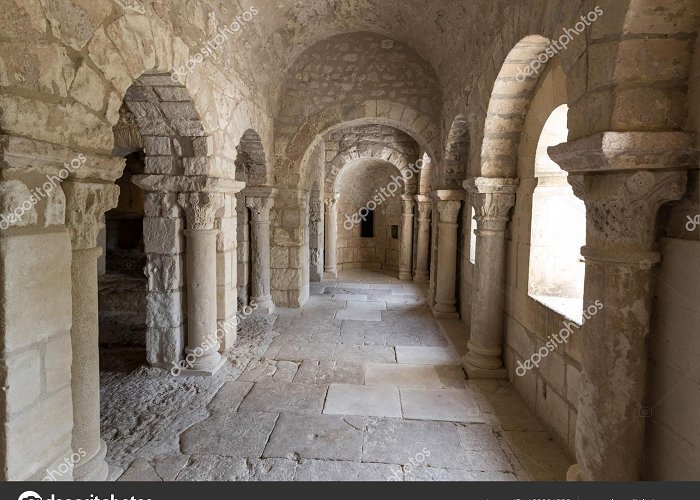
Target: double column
<point>202,343</point>
<point>86,203</point>
<point>493,199</point>
<point>449,203</point>
<point>406,251</point>
<point>622,203</point>
<point>425,207</point>
<point>331,234</point>
<point>260,202</point>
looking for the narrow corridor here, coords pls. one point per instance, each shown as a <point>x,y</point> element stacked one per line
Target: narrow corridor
<point>359,384</point>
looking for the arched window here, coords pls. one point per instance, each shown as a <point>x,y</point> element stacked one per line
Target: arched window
<point>558,228</point>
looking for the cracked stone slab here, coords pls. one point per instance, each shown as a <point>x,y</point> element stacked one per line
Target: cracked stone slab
<point>323,437</point>
<point>400,441</point>
<point>353,353</point>
<point>230,396</point>
<point>140,470</point>
<point>308,350</point>
<point>348,399</point>
<point>285,397</point>
<point>241,434</point>
<point>438,474</point>
<point>222,468</point>
<point>330,372</point>
<point>322,470</point>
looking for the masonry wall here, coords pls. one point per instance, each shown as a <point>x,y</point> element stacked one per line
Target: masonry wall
<point>358,185</point>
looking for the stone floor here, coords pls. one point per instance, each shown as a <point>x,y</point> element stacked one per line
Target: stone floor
<point>359,384</point>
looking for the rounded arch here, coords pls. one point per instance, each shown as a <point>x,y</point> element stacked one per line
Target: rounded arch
<point>251,164</point>
<point>344,158</point>
<point>398,115</point>
<point>456,152</point>
<point>508,107</point>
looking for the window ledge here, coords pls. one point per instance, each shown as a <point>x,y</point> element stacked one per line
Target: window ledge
<point>570,308</point>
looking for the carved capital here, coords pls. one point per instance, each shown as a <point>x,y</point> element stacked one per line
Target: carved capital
<point>259,208</point>
<point>200,209</point>
<point>86,204</point>
<point>622,207</point>
<point>331,202</point>
<point>492,199</point>
<point>449,210</point>
<point>425,210</point>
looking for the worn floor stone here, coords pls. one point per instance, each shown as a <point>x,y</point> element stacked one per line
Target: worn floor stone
<point>455,405</point>
<point>398,375</point>
<point>287,397</point>
<point>322,437</point>
<point>347,399</point>
<point>325,400</point>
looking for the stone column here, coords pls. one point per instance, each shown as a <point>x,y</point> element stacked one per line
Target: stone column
<point>331,234</point>
<point>425,207</point>
<point>406,252</point>
<point>622,203</point>
<point>260,201</point>
<point>492,199</point>
<point>202,349</point>
<point>86,204</point>
<point>449,204</point>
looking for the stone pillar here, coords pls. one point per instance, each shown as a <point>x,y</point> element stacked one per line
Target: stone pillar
<point>331,234</point>
<point>86,204</point>
<point>260,201</point>
<point>202,349</point>
<point>406,252</point>
<point>492,199</point>
<point>623,178</point>
<point>315,237</point>
<point>449,204</point>
<point>425,207</point>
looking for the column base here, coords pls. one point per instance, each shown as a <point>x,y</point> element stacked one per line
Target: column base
<point>476,373</point>
<point>95,469</point>
<point>421,279</point>
<point>203,372</point>
<point>445,315</point>
<point>330,274</point>
<point>574,473</point>
<point>405,276</point>
<point>265,305</point>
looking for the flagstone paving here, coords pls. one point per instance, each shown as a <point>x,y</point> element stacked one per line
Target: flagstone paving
<point>359,384</point>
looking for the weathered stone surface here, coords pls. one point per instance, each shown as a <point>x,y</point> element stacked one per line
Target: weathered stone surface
<point>240,434</point>
<point>323,437</point>
<point>285,397</point>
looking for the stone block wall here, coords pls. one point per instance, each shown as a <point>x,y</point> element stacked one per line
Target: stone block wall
<point>357,186</point>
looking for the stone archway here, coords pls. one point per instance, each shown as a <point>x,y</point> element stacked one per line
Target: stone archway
<point>255,203</point>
